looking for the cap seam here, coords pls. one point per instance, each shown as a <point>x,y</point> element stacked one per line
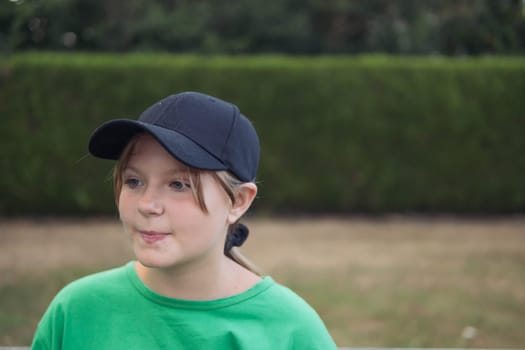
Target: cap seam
<point>234,120</point>
<point>166,147</point>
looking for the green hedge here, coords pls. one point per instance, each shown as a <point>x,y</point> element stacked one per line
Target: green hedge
<point>339,134</point>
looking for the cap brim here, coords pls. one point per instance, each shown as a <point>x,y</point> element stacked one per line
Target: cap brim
<point>109,140</point>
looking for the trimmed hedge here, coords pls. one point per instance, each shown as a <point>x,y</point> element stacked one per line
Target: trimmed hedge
<point>368,134</point>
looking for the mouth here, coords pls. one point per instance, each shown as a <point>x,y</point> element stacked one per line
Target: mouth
<point>152,236</point>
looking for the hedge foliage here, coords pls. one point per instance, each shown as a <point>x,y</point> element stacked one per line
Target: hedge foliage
<point>367,134</point>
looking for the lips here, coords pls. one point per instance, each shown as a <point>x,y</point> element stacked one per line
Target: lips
<point>152,236</point>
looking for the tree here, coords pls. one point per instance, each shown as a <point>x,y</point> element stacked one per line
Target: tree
<point>452,27</point>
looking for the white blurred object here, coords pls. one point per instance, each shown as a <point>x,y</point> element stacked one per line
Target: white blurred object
<point>469,332</point>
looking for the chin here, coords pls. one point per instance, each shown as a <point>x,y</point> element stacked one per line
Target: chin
<point>154,263</point>
<point>152,260</point>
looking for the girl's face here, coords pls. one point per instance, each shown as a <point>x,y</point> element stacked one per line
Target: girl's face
<point>167,226</point>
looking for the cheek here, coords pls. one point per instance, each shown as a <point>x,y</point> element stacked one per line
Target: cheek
<point>124,206</point>
<point>218,209</point>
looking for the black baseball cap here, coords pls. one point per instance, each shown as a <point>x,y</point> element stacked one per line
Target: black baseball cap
<point>201,131</point>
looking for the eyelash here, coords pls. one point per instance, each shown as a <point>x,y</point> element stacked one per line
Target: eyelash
<point>132,182</point>
<point>177,185</point>
<point>180,186</point>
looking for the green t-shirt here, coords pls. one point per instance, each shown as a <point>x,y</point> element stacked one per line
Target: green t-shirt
<point>115,310</point>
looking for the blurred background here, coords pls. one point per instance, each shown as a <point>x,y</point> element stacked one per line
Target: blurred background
<point>392,151</point>
<point>430,27</point>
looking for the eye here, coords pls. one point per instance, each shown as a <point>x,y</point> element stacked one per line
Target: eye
<point>132,182</point>
<point>179,185</point>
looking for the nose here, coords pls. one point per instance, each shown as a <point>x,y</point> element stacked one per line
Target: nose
<point>150,203</point>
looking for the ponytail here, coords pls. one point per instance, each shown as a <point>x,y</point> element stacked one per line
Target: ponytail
<point>237,235</point>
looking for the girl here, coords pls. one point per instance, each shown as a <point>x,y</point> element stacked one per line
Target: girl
<point>184,177</point>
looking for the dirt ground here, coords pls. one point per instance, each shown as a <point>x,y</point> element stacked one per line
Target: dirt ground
<point>34,246</point>
<point>389,281</point>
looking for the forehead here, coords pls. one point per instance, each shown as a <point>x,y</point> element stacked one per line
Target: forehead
<point>147,149</point>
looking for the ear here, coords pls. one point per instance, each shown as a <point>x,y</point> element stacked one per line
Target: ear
<point>244,196</point>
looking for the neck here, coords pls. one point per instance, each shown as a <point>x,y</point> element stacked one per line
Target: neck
<point>205,282</point>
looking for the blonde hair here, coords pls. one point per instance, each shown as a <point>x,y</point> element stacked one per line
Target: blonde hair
<point>228,182</point>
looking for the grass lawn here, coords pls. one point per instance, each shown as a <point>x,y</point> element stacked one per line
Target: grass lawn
<point>390,282</point>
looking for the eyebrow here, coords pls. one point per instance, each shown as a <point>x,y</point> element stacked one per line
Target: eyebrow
<point>172,171</point>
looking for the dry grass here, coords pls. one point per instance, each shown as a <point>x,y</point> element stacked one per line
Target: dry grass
<point>395,281</point>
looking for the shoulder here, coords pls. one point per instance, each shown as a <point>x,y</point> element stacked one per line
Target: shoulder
<point>98,285</point>
<point>286,299</point>
<point>296,317</point>
<point>77,301</point>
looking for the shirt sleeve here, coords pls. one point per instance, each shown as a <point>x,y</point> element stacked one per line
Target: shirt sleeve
<point>48,335</point>
<point>313,335</point>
